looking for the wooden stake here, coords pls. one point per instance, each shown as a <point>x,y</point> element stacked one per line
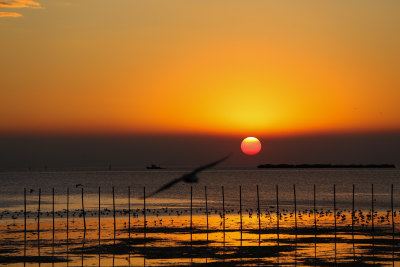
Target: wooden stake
<point>144,210</point>
<point>240,211</point>
<point>129,212</point>
<point>191,214</point>
<point>53,217</point>
<point>24,222</point>
<point>83,215</point>
<point>352,224</point>
<point>391,206</point>
<point>67,215</point>
<point>99,220</point>
<point>277,212</point>
<point>334,214</point>
<point>295,208</point>
<point>259,216</point>
<point>352,212</point>
<point>334,206</point>
<point>205,195</point>
<point>315,226</point>
<point>223,211</point>
<point>115,226</point>
<point>191,209</point>
<point>38,224</point>
<point>295,223</point>
<point>372,208</point>
<point>315,213</point>
<point>373,226</point>
<point>67,223</point>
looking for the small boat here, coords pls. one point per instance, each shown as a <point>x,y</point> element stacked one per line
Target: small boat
<point>154,167</point>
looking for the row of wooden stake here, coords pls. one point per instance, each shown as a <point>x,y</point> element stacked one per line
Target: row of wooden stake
<point>191,212</point>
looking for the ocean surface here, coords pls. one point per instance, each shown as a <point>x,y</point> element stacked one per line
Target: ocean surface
<point>169,233</point>
<point>178,196</point>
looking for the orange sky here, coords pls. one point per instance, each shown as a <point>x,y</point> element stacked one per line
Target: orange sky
<point>229,67</point>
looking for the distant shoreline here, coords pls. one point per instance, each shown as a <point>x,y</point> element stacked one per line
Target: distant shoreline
<point>326,166</point>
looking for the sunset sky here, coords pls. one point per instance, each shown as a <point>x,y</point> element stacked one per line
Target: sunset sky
<point>229,68</point>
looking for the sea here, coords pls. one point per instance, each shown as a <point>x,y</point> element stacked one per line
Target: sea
<point>177,232</point>
<point>220,186</point>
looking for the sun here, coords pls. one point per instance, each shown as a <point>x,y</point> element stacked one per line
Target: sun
<point>251,146</point>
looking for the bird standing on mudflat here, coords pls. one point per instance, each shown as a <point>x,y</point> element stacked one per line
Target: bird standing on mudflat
<point>189,177</point>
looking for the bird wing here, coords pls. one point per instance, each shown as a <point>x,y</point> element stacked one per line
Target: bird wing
<point>166,186</point>
<point>199,169</point>
<point>202,168</point>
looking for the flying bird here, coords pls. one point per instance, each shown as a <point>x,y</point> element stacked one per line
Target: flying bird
<point>189,177</point>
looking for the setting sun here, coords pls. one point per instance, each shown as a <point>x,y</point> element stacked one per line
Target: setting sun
<point>120,123</point>
<point>251,146</point>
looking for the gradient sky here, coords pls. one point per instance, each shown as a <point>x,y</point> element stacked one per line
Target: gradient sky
<point>176,67</point>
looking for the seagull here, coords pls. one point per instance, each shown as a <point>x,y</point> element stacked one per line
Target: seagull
<point>189,177</point>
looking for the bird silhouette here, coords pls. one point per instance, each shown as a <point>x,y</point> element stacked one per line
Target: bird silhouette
<point>189,177</point>
<point>31,191</point>
<point>78,185</point>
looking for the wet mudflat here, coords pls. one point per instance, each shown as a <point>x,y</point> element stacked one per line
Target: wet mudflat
<point>170,241</point>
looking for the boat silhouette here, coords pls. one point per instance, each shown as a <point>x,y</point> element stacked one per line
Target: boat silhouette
<point>154,167</point>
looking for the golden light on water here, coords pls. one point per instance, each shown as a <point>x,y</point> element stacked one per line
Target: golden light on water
<point>166,232</point>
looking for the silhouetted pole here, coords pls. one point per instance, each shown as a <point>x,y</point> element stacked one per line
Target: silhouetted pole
<point>24,222</point>
<point>205,196</point>
<point>83,251</point>
<point>223,212</point>
<point>191,213</point>
<point>52,247</point>
<point>99,219</point>
<point>334,205</point>
<point>334,213</point>
<point>240,211</point>
<point>391,207</point>
<point>129,212</point>
<point>277,212</point>
<point>115,226</point>
<point>352,212</point>
<point>372,208</point>
<point>352,223</point>
<point>315,209</point>
<point>38,224</point>
<point>67,216</point>
<point>373,226</point>
<point>315,225</point>
<point>295,208</point>
<point>53,216</point>
<point>144,211</point>
<point>315,213</point>
<point>83,214</point>
<point>295,224</point>
<point>259,216</point>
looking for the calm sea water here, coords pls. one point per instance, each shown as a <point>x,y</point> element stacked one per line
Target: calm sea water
<point>13,184</point>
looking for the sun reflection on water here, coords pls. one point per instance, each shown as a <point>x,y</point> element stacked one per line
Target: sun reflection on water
<point>169,240</point>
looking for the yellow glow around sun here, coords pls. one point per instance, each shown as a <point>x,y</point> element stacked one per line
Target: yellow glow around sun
<point>246,69</point>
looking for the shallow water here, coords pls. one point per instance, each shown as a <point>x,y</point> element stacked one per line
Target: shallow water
<point>11,191</point>
<point>168,239</point>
